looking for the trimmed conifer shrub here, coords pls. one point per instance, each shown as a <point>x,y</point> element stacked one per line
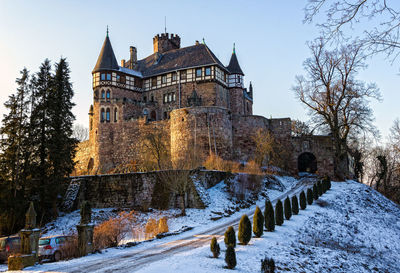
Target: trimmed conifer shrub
<point>230,237</point>
<point>258,223</point>
<point>303,201</point>
<point>295,205</point>
<point>230,257</point>
<point>244,233</point>
<point>319,187</point>
<point>315,192</point>
<point>214,246</point>
<point>287,208</point>
<point>269,216</point>
<point>279,213</point>
<point>310,196</point>
<point>329,183</point>
<point>267,265</point>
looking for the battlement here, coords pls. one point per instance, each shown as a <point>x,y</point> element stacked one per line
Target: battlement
<point>165,42</point>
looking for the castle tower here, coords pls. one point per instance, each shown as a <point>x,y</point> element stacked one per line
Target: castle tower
<point>165,42</point>
<point>235,85</point>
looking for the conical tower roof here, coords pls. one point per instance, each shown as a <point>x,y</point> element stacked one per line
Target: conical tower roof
<point>234,66</point>
<point>106,59</point>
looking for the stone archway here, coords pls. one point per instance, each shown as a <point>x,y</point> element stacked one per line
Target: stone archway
<point>307,162</point>
<point>153,115</point>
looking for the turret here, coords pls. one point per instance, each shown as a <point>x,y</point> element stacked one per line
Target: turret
<point>165,42</point>
<point>106,60</point>
<point>236,74</point>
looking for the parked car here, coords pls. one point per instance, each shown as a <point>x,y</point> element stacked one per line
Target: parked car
<point>51,247</point>
<point>9,245</point>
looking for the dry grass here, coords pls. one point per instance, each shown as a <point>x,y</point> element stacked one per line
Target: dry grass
<point>69,249</point>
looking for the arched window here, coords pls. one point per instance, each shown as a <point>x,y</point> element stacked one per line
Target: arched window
<point>103,94</point>
<point>108,95</point>
<point>108,115</point>
<point>115,114</point>
<point>102,115</point>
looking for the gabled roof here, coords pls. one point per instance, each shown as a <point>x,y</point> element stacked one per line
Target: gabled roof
<point>106,59</point>
<point>191,56</point>
<point>234,66</point>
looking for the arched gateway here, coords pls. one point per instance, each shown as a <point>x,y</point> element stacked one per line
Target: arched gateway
<point>307,162</point>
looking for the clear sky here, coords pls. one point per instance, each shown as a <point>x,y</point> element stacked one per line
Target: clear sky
<point>269,35</point>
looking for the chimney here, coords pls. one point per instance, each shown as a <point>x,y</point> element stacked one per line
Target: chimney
<point>133,57</point>
<point>197,42</point>
<point>123,63</point>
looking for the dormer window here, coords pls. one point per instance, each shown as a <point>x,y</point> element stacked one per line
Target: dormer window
<point>198,72</point>
<point>208,71</point>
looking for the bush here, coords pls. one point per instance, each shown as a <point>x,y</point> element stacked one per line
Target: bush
<point>269,217</point>
<point>319,187</point>
<point>315,192</point>
<point>230,237</point>
<point>287,208</point>
<point>303,201</point>
<point>267,265</point>
<point>69,249</point>
<point>258,223</point>
<point>279,213</point>
<point>214,246</point>
<point>230,257</point>
<point>111,232</point>
<point>151,228</point>
<point>295,205</point>
<point>244,233</point>
<point>310,196</point>
<point>162,225</point>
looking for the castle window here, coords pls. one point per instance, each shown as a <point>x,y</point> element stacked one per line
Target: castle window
<point>169,97</point>
<point>238,79</point>
<point>145,99</point>
<point>208,71</point>
<point>108,115</point>
<point>173,97</point>
<point>165,115</point>
<point>174,76</point>
<point>108,77</point>
<point>118,78</point>
<point>102,115</point>
<point>224,77</point>
<point>103,94</point>
<point>198,72</point>
<point>154,82</point>
<point>115,114</point>
<point>183,75</point>
<point>164,79</point>
<point>108,95</point>
<point>152,98</point>
<point>103,76</point>
<point>165,98</point>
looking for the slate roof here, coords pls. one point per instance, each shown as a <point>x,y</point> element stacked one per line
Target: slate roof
<point>191,56</point>
<point>106,59</point>
<point>234,66</point>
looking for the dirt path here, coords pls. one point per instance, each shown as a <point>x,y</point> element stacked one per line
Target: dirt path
<point>137,259</point>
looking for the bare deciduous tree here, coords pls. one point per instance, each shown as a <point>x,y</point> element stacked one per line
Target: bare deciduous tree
<point>378,19</point>
<point>338,103</point>
<point>300,128</point>
<point>80,132</point>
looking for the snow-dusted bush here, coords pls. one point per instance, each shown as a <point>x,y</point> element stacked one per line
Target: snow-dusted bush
<point>267,265</point>
<point>162,225</point>
<point>287,208</point>
<point>303,200</point>
<point>214,246</point>
<point>230,257</point>
<point>151,228</point>
<point>244,233</point>
<point>310,196</point>
<point>279,213</point>
<point>269,217</point>
<point>295,205</point>
<point>258,223</point>
<point>315,192</point>
<point>230,237</point>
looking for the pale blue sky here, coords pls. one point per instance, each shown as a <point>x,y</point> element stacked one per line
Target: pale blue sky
<point>269,35</point>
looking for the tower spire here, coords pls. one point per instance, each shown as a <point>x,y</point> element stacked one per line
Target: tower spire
<point>234,51</point>
<point>107,30</point>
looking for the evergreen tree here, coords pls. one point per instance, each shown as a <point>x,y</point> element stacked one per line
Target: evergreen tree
<point>295,205</point>
<point>287,208</point>
<point>14,155</point>
<point>258,223</point>
<point>315,192</point>
<point>214,246</point>
<point>279,213</point>
<point>303,201</point>
<point>310,196</point>
<point>230,257</point>
<point>244,233</point>
<point>267,265</point>
<point>319,187</point>
<point>269,216</point>
<point>230,237</point>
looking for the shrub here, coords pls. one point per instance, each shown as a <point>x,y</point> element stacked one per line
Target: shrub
<point>267,265</point>
<point>230,257</point>
<point>310,196</point>
<point>151,228</point>
<point>269,217</point>
<point>279,213</point>
<point>315,192</point>
<point>214,246</point>
<point>303,201</point>
<point>287,208</point>
<point>70,248</point>
<point>111,232</point>
<point>162,225</point>
<point>230,237</point>
<point>244,233</point>
<point>258,223</point>
<point>319,187</point>
<point>295,205</point>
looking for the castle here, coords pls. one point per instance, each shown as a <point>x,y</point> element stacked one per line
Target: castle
<point>189,93</point>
